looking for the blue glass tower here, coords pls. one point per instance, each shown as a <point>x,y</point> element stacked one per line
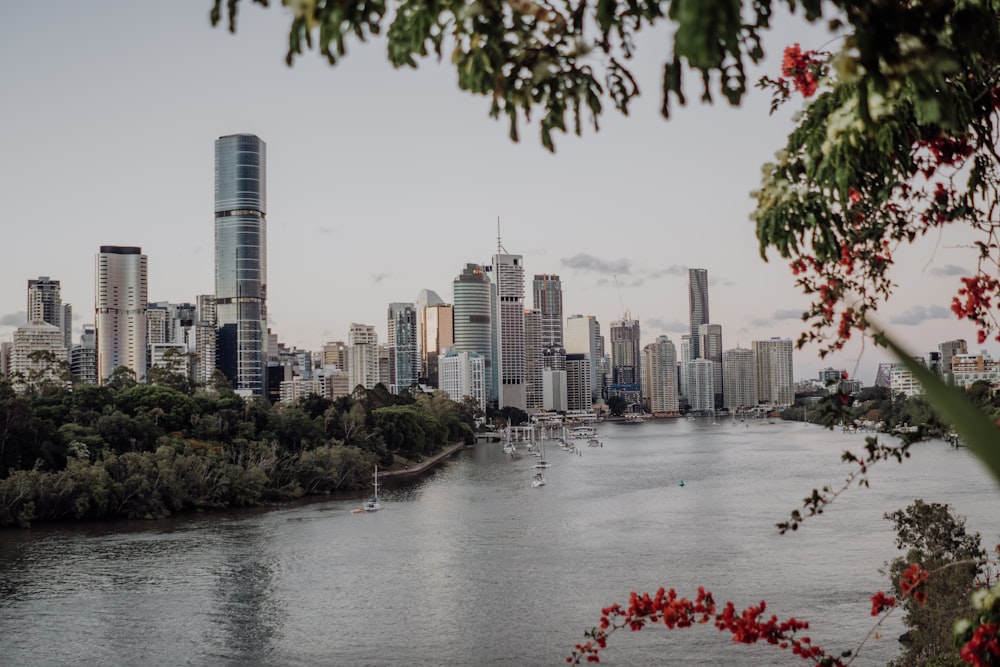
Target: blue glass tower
<point>241,261</point>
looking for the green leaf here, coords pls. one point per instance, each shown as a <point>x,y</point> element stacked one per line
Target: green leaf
<point>980,434</point>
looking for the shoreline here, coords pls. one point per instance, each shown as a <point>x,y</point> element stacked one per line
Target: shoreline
<point>407,474</point>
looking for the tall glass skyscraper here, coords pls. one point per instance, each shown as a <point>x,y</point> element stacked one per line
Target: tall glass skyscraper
<point>697,307</point>
<point>241,261</point>
<point>473,297</point>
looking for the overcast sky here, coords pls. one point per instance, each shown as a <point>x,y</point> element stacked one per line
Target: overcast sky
<point>383,182</point>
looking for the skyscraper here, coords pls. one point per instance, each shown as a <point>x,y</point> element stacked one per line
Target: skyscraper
<point>241,261</point>
<point>120,304</point>
<point>660,362</point>
<point>697,307</point>
<point>508,274</point>
<point>45,305</point>
<point>363,360</point>
<point>775,379</point>
<point>473,295</point>
<point>404,364</point>
<point>710,345</point>
<point>583,336</point>
<point>739,375</point>
<point>435,333</point>
<point>625,351</point>
<point>547,300</point>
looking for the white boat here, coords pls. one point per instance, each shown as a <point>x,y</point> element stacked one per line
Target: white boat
<point>373,504</point>
<point>541,462</point>
<point>537,481</point>
<point>594,442</point>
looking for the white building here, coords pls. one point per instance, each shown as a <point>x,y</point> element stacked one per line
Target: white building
<point>701,385</point>
<point>775,381</point>
<point>902,381</point>
<point>659,361</point>
<point>739,386</point>
<point>363,356</point>
<point>37,354</point>
<point>554,396</point>
<point>582,335</point>
<point>511,348</point>
<point>120,304</point>
<point>463,374</point>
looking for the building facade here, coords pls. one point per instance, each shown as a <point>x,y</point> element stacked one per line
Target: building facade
<point>120,310</point>
<point>583,336</point>
<point>697,307</point>
<point>547,299</point>
<point>660,363</point>
<point>739,379</point>
<point>511,348</point>
<point>775,377</point>
<point>404,360</point>
<point>463,375</point>
<point>363,356</point>
<point>37,355</point>
<point>473,296</point>
<point>45,305</point>
<point>241,261</point>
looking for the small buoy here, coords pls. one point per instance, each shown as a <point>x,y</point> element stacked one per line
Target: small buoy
<point>682,483</point>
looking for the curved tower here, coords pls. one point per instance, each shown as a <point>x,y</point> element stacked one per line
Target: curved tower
<point>241,261</point>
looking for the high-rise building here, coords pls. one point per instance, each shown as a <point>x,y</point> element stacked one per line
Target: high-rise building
<point>27,367</point>
<point>241,261</point>
<point>83,357</point>
<point>739,374</point>
<point>949,350</point>
<point>463,375</point>
<point>660,362</point>
<point>682,364</point>
<point>404,364</point>
<point>697,307</point>
<point>335,354</point>
<point>625,351</point>
<point>710,346</point>
<point>533,365</point>
<point>363,361</point>
<point>508,275</point>
<point>45,305</point>
<point>578,377</point>
<point>583,336</point>
<point>435,333</point>
<point>701,385</point>
<point>775,377</point>
<point>120,304</point>
<point>473,295</point>
<point>547,300</point>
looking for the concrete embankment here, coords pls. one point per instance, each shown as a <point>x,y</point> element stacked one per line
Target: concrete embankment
<point>415,470</point>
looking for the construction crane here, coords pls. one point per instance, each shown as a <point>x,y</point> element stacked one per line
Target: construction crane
<point>625,314</point>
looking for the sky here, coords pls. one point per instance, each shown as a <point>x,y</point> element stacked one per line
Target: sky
<point>384,182</point>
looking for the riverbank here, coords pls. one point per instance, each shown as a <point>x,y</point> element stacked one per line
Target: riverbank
<point>412,470</point>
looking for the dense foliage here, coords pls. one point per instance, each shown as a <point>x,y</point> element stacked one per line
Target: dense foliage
<point>150,450</point>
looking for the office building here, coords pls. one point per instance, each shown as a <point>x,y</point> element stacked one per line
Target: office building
<point>710,346</point>
<point>473,296</point>
<point>547,300</point>
<point>508,276</point>
<point>583,336</point>
<point>120,304</point>
<point>701,386</point>
<point>533,364</point>
<point>83,357</point>
<point>403,362</point>
<point>697,307</point>
<point>241,261</point>
<point>435,333</point>
<point>37,356</point>
<point>463,375</point>
<point>579,374</point>
<point>949,350</point>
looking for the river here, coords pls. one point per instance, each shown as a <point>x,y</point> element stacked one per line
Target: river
<point>473,566</point>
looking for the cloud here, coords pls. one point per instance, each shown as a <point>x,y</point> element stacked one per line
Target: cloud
<point>787,314</point>
<point>674,270</point>
<point>585,262</point>
<point>777,316</point>
<point>919,314</point>
<point>379,277</point>
<point>949,270</point>
<point>655,324</point>
<point>14,319</point>
<point>326,230</point>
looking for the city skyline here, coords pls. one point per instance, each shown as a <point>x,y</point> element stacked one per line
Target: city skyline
<point>383,183</point>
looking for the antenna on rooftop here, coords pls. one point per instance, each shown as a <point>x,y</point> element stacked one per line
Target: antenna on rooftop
<point>500,248</point>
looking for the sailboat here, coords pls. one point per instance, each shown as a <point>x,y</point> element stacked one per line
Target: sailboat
<point>537,481</point>
<point>541,462</point>
<point>373,504</point>
<point>508,445</point>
